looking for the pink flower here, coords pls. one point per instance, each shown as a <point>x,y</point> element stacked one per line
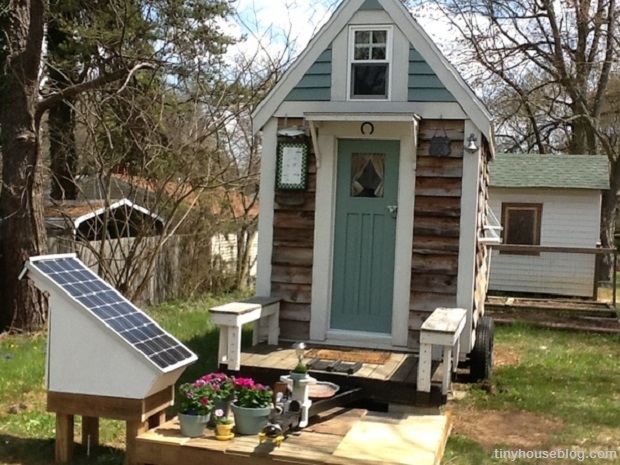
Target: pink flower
<point>204,401</point>
<point>219,412</point>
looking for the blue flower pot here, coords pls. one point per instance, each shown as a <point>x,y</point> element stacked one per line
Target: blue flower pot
<point>193,426</point>
<point>250,420</point>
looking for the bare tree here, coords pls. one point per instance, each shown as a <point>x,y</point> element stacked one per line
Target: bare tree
<point>547,66</point>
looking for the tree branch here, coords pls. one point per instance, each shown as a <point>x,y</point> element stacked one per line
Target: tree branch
<point>77,89</point>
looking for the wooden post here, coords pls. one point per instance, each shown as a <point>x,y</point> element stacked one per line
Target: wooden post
<point>158,419</point>
<point>134,429</point>
<point>90,431</point>
<point>64,437</point>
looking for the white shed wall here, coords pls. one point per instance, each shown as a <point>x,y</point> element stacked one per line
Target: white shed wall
<point>570,218</point>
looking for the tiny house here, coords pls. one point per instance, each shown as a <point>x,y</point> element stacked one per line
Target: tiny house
<point>549,202</point>
<point>374,185</point>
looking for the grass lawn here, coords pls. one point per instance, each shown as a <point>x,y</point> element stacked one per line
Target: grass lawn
<point>552,390</point>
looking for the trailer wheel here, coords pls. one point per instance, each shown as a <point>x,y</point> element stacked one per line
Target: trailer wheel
<point>481,357</point>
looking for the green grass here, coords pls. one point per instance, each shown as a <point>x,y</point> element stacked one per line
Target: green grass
<point>568,376</point>
<point>571,377</point>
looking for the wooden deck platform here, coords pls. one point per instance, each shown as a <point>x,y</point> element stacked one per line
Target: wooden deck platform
<point>391,382</point>
<point>342,437</point>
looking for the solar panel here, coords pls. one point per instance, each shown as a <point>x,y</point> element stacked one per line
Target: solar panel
<point>114,310</point>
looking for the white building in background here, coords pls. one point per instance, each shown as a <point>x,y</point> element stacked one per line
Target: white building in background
<point>549,201</point>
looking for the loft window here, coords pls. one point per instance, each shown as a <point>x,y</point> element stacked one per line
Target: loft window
<point>522,223</point>
<point>370,63</point>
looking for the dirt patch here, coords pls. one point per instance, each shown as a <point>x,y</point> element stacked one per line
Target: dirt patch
<point>514,430</point>
<point>504,357</point>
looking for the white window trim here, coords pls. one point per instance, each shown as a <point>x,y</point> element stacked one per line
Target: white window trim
<point>389,52</point>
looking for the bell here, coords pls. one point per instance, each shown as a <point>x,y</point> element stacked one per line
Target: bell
<point>471,146</point>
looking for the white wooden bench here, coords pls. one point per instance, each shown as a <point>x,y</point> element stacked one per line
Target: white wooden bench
<point>443,328</point>
<point>231,317</point>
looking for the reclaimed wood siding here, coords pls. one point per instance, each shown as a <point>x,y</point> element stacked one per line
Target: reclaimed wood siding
<point>483,252</point>
<point>436,225</point>
<point>293,249</point>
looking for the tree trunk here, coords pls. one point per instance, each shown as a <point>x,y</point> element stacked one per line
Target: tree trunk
<point>22,232</point>
<point>608,221</point>
<point>63,153</point>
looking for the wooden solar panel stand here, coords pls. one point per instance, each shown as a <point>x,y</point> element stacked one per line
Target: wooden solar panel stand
<point>140,415</point>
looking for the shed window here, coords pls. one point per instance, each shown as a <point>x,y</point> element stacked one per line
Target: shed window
<point>522,223</point>
<point>370,63</point>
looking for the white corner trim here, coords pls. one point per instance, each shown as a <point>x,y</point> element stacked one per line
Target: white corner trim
<point>266,208</point>
<point>404,236</point>
<point>468,237</point>
<point>323,237</point>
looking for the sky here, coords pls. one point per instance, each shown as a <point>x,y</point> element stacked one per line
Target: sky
<point>268,23</point>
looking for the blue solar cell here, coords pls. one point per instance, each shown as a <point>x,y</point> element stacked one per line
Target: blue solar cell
<point>103,301</point>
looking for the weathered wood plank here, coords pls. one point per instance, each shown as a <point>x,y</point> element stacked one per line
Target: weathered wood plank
<point>289,219</point>
<point>294,330</point>
<point>442,284</point>
<point>439,244</point>
<point>300,293</point>
<point>430,301</point>
<point>292,256</point>
<point>291,274</point>
<point>297,201</point>
<point>293,237</point>
<point>433,226</point>
<point>295,311</point>
<point>457,149</point>
<point>442,167</point>
<point>446,264</point>
<point>444,187</point>
<point>437,206</point>
<point>453,129</point>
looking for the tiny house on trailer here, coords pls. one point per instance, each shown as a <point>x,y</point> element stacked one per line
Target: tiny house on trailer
<point>374,187</point>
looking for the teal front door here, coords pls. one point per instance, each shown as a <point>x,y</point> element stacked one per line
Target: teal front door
<point>365,236</point>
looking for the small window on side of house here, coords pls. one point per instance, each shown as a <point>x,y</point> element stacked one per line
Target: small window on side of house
<point>522,224</point>
<point>370,56</point>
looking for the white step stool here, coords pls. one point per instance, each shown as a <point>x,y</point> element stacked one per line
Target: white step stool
<point>231,317</point>
<point>442,328</point>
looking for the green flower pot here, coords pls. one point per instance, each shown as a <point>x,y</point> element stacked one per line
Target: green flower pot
<point>250,420</point>
<point>193,426</point>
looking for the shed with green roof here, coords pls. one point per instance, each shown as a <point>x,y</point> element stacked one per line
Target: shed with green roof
<point>547,201</point>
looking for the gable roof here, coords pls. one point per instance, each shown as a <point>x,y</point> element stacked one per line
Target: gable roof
<point>550,171</point>
<point>404,20</point>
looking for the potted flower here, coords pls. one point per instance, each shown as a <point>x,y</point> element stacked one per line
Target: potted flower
<point>223,392</point>
<point>223,424</point>
<point>195,405</point>
<point>252,406</point>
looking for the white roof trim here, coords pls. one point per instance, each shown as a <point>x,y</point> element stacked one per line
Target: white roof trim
<point>78,221</point>
<point>359,117</point>
<point>313,50</point>
<point>403,18</point>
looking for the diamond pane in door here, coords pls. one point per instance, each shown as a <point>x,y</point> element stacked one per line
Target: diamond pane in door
<point>363,270</point>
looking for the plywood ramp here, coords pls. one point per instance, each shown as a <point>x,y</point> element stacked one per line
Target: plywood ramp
<point>351,437</point>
